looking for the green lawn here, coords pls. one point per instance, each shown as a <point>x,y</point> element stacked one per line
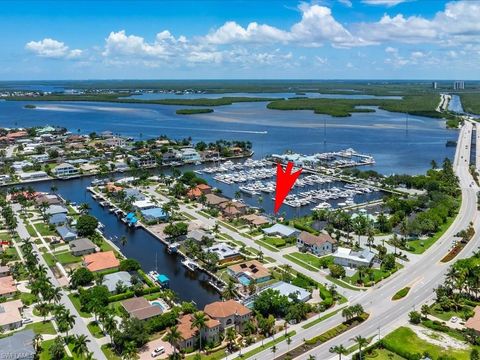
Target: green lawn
<point>275,241</point>
<point>42,328</point>
<point>420,246</point>
<point>378,274</point>
<point>404,340</point>
<point>44,229</point>
<point>301,263</point>
<point>63,258</point>
<point>109,354</point>
<point>76,302</point>
<point>384,354</point>
<point>27,298</point>
<point>11,253</point>
<point>265,245</point>
<point>320,319</point>
<point>437,311</point>
<point>5,236</point>
<point>94,328</point>
<point>341,283</point>
<point>44,354</point>
<point>31,230</point>
<point>313,260</point>
<point>265,346</point>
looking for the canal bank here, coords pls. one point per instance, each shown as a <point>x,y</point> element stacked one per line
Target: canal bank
<point>141,245</point>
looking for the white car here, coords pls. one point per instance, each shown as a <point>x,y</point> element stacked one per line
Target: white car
<point>26,321</point>
<point>454,319</point>
<point>158,351</point>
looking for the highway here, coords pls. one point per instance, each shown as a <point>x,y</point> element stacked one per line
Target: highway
<point>422,275</point>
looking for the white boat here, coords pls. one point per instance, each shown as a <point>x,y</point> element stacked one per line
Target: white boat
<point>189,264</point>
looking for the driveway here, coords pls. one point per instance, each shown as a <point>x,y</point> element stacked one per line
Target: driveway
<point>146,351</point>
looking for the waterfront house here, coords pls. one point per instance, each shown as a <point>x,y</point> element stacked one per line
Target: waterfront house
<point>474,322</point>
<point>65,169</point>
<point>290,290</point>
<point>133,193</point>
<point>57,219</point>
<point>255,220</point>
<point>199,235</point>
<point>39,158</point>
<point>7,286</point>
<point>225,253</point>
<point>19,165</point>
<point>49,199</point>
<point>26,176</point>
<point>18,346</point>
<point>353,259</point>
<point>143,205</point>
<point>56,209</point>
<point>4,270</point>
<point>10,315</point>
<point>154,214</point>
<point>190,335</point>
<point>229,313</point>
<point>232,209</point>
<point>82,246</point>
<point>112,188</point>
<point>144,161</point>
<point>215,200</point>
<point>111,280</point>
<point>116,142</point>
<point>121,166</point>
<point>319,245</point>
<point>66,233</point>
<point>249,271</point>
<point>170,156</point>
<point>101,261</point>
<point>189,155</point>
<point>198,190</point>
<point>281,230</point>
<point>140,308</point>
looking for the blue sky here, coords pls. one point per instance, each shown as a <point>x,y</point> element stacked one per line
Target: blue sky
<point>324,39</point>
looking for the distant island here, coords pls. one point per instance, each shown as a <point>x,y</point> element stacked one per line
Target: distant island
<point>193,111</point>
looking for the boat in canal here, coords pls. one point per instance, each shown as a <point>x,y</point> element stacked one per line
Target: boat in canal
<point>190,264</point>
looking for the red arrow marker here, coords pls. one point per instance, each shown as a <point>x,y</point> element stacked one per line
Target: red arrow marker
<point>285,181</point>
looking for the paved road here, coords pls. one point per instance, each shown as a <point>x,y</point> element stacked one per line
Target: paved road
<point>80,327</point>
<point>422,276</point>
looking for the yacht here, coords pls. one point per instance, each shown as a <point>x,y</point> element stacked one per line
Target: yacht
<point>189,264</point>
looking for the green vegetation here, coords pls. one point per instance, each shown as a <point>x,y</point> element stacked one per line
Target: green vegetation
<point>123,99</point>
<point>95,329</point>
<point>423,105</point>
<point>400,294</point>
<point>320,319</point>
<point>470,102</point>
<point>406,343</point>
<point>299,262</point>
<point>44,229</point>
<point>42,328</point>
<point>63,258</point>
<point>193,111</point>
<point>75,299</point>
<point>266,346</point>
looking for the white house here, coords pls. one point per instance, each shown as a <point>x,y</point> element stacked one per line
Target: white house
<point>189,155</point>
<point>319,245</point>
<point>65,169</point>
<point>353,259</point>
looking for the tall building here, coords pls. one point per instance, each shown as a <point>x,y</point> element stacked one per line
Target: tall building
<point>434,85</point>
<point>458,85</point>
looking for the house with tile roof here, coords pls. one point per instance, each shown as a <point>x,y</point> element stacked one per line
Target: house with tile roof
<point>230,313</point>
<point>101,261</point>
<point>190,335</point>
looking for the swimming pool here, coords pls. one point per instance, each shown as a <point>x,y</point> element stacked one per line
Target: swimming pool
<point>244,280</point>
<point>159,304</point>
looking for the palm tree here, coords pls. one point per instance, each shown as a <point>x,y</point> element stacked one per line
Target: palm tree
<point>173,336</point>
<point>289,341</point>
<point>199,322</point>
<point>230,291</point>
<point>66,321</point>
<point>37,340</point>
<point>339,350</point>
<point>361,342</point>
<point>231,335</point>
<point>238,194</point>
<point>84,207</point>
<point>80,345</point>
<point>311,357</point>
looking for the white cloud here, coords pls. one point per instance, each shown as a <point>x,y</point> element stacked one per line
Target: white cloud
<point>316,27</point>
<point>457,24</point>
<point>347,3</point>
<point>388,3</point>
<point>54,49</point>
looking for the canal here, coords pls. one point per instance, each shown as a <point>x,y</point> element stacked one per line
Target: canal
<point>142,246</point>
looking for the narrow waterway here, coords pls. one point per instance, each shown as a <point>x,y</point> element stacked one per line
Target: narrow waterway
<point>141,245</point>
